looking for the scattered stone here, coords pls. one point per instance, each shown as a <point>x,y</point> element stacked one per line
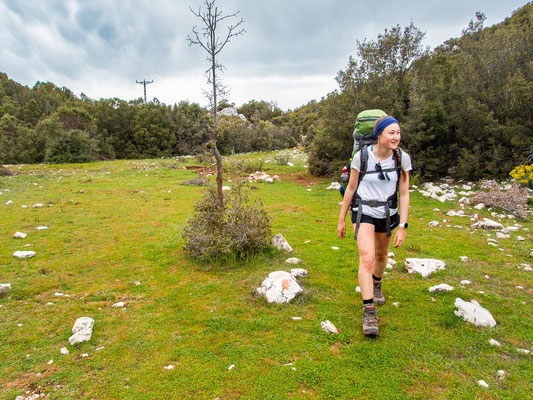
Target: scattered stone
<point>528,268</point>
<point>474,313</point>
<point>41,228</point>
<point>279,287</point>
<point>280,243</point>
<point>525,351</point>
<point>293,260</point>
<point>231,367</point>
<point>169,367</point>
<point>481,382</point>
<point>501,373</point>
<point>487,224</point>
<point>226,187</point>
<point>24,254</point>
<point>19,235</point>
<point>520,238</point>
<point>99,348</point>
<point>434,223</point>
<point>500,235</point>
<point>296,318</point>
<point>481,292</point>
<point>4,288</point>
<point>258,176</point>
<point>82,330</point>
<point>334,186</point>
<point>424,266</point>
<point>298,272</point>
<point>136,283</point>
<point>358,289</point>
<point>119,304</point>
<point>309,190</point>
<point>395,304</point>
<point>494,342</point>
<point>84,355</point>
<point>443,287</point>
<point>390,255</point>
<point>64,351</point>
<point>464,258</point>
<point>38,205</point>
<point>9,202</point>
<point>487,277</point>
<point>436,209</point>
<point>453,213</point>
<point>327,326</point>
<point>334,248</point>
<point>50,362</point>
<point>519,287</point>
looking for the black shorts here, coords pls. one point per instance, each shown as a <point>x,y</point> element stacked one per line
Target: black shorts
<point>380,224</point>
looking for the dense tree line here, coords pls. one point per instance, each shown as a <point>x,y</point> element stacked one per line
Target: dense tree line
<point>50,124</point>
<point>466,108</point>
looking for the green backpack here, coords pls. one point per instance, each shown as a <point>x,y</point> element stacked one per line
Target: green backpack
<point>363,133</point>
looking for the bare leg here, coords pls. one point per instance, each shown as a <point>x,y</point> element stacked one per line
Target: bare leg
<point>382,250</point>
<point>365,244</point>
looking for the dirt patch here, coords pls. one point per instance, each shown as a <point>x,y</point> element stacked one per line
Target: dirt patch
<point>201,169</point>
<point>301,178</point>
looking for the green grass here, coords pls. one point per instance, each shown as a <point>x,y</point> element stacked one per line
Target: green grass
<point>107,231</point>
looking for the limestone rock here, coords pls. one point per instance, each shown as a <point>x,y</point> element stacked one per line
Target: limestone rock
<point>327,326</point>
<point>299,272</point>
<point>258,176</point>
<point>41,228</point>
<point>464,258</point>
<point>494,342</point>
<point>434,223</point>
<point>424,266</point>
<point>481,382</point>
<point>4,288</point>
<point>487,224</point>
<point>19,235</point>
<point>501,235</point>
<point>474,313</point>
<point>293,260</point>
<point>24,254</point>
<point>466,282</point>
<point>280,243</point>
<point>119,304</point>
<point>479,206</point>
<point>64,351</point>
<point>279,287</point>
<point>443,287</point>
<point>334,186</point>
<point>226,187</point>
<point>82,330</point>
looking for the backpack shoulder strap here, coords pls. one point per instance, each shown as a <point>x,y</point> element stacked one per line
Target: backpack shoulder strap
<point>364,162</point>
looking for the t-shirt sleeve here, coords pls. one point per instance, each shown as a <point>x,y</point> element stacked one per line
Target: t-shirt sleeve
<point>406,161</point>
<point>356,161</point>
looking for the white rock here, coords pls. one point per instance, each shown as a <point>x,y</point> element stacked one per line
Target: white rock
<point>424,266</point>
<point>390,255</point>
<point>465,282</point>
<point>19,235</point>
<point>512,228</point>
<point>24,254</point>
<point>487,224</point>
<point>434,223</point>
<point>298,272</point>
<point>226,187</point>
<point>37,205</point>
<point>474,313</point>
<point>391,261</point>
<point>463,200</point>
<point>82,330</point>
<point>481,292</point>
<point>136,283</point>
<point>494,342</point>
<point>443,287</point>
<point>395,304</point>
<point>279,287</point>
<point>169,367</point>
<point>64,351</point>
<point>464,258</point>
<point>358,289</point>
<point>528,268</point>
<point>501,373</point>
<point>309,190</point>
<point>500,235</point>
<point>453,213</point>
<point>481,382</point>
<point>280,243</point>
<point>119,304</point>
<point>4,288</point>
<point>50,362</point>
<point>293,260</point>
<point>479,206</point>
<point>334,248</point>
<point>231,367</point>
<point>520,238</point>
<point>327,326</point>
<point>487,277</point>
<point>296,318</point>
<point>525,351</point>
<point>334,186</point>
<point>41,228</point>
<point>269,180</point>
<point>290,164</point>
<point>9,202</point>
<point>307,241</point>
<point>519,287</point>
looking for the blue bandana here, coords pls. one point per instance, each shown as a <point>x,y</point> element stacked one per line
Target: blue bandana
<point>383,124</point>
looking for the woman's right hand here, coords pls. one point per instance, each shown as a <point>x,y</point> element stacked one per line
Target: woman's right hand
<point>341,229</point>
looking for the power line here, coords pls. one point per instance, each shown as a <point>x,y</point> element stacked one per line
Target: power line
<point>145,82</point>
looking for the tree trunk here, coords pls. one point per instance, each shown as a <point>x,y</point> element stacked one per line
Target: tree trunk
<point>216,153</point>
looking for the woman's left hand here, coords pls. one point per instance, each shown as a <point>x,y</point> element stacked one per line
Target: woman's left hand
<point>399,237</point>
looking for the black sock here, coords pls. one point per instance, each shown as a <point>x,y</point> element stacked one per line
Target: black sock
<point>369,301</point>
<point>376,278</point>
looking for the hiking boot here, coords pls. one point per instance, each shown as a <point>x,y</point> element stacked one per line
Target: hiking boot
<point>370,320</point>
<point>378,294</point>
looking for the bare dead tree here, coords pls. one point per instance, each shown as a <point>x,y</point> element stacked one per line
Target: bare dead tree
<point>208,39</point>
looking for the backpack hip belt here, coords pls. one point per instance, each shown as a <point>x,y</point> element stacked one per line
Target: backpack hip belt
<point>372,203</point>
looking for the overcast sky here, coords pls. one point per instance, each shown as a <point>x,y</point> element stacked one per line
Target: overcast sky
<point>290,53</point>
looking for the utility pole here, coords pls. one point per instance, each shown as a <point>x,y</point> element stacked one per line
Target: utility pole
<point>144,82</point>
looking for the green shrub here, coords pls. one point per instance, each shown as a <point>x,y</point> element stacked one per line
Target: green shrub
<point>74,146</point>
<point>240,230</point>
<point>282,158</point>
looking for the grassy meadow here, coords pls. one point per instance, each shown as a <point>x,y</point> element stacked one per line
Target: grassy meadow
<point>116,223</point>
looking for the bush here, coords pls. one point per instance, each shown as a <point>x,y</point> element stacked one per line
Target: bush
<point>240,230</point>
<point>242,166</point>
<point>282,158</point>
<point>513,200</point>
<point>74,146</point>
<point>4,171</point>
<point>524,175</point>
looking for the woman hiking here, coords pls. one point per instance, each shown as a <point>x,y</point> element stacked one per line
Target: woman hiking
<point>375,210</point>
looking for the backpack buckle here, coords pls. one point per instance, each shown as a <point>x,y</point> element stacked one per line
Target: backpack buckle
<point>372,203</point>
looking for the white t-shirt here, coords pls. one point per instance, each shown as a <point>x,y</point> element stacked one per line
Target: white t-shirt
<point>371,188</point>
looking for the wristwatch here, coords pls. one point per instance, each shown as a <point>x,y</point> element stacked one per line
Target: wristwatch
<point>403,225</point>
